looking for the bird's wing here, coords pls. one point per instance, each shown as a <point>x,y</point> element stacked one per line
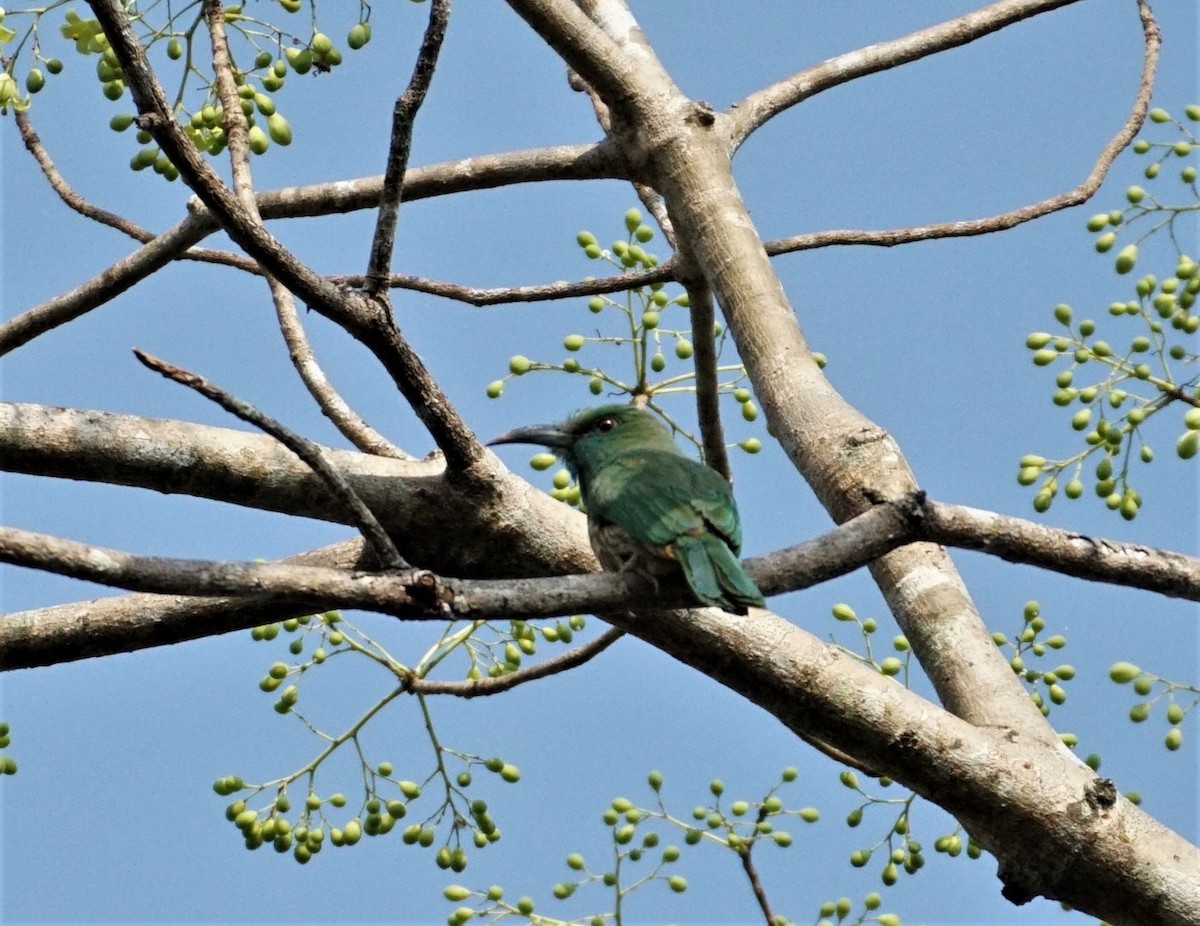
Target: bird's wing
<point>657,497</point>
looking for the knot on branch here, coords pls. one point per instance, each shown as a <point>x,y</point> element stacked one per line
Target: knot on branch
<point>1101,794</point>
<point>425,589</point>
<point>702,114</point>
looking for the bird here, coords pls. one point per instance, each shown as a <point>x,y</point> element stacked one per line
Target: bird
<point>651,509</point>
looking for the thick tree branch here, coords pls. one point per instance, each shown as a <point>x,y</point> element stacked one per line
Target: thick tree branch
<point>849,461</point>
<point>403,116</point>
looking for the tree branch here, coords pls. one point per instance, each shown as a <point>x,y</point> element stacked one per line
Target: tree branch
<point>755,110</point>
<point>982,226</point>
<point>332,405</point>
<point>364,319</point>
<point>403,115</point>
<point>360,515</point>
<point>475,688</point>
<point>567,162</point>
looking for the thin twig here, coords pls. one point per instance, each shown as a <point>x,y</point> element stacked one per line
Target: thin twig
<point>332,405</point>
<point>397,163</point>
<point>752,875</point>
<point>33,144</point>
<point>305,449</point>
<point>704,344</point>
<point>474,688</point>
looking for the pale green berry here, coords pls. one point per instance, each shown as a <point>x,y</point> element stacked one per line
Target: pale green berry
<point>1126,258</point>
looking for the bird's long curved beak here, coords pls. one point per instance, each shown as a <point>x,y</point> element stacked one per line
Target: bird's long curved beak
<point>548,435</point>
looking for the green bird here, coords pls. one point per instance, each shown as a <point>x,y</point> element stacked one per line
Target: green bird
<point>651,509</point>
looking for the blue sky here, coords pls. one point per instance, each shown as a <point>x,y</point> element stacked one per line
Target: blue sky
<point>112,818</point>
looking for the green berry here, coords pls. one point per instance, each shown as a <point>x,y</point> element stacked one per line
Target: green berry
<point>574,341</point>
<point>279,128</point>
<point>495,388</point>
<point>259,142</point>
<point>584,238</point>
<point>683,349</point>
<point>633,218</point>
<point>519,365</point>
<point>1174,739</point>
<point>1126,258</point>
<point>359,35</point>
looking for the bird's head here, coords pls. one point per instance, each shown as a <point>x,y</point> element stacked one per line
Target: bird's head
<point>592,437</point>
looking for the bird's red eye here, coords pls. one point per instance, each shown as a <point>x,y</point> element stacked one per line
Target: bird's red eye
<point>606,424</point>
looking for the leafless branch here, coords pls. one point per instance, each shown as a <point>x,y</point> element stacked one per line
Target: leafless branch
<point>305,449</point>
<point>541,293</point>
<point>982,226</point>
<point>236,129</point>
<point>475,688</point>
<point>1098,559</point>
<point>756,109</point>
<point>751,871</point>
<point>568,162</point>
<point>403,115</point>
<point>105,287</point>
<point>332,405</point>
<point>33,144</point>
<point>708,410</point>
<point>364,319</point>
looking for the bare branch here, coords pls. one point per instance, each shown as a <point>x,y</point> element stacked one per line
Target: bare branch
<point>33,144</point>
<point>305,449</point>
<point>708,410</point>
<point>1098,559</point>
<point>236,128</point>
<point>332,405</point>
<point>403,116</point>
<point>756,109</point>
<point>542,293</point>
<point>105,287</point>
<point>1083,192</point>
<point>474,688</point>
<point>577,162</point>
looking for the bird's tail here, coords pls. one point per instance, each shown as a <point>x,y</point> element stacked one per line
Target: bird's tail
<point>715,574</point>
